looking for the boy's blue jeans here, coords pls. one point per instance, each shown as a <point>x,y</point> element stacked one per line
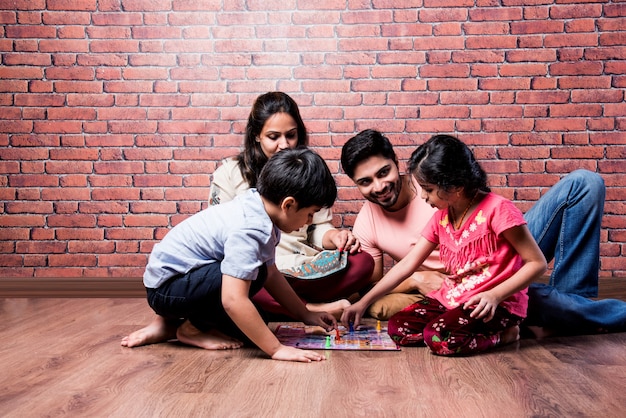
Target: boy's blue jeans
<point>197,296</point>
<point>566,224</point>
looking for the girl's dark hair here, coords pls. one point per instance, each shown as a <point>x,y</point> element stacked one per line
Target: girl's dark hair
<point>365,144</point>
<point>446,162</point>
<point>252,159</point>
<point>300,173</point>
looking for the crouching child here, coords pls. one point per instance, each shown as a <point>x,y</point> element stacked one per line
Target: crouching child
<point>200,278</point>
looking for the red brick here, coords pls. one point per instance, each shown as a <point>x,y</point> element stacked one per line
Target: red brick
<point>607,138</point>
<point>571,40</point>
<point>67,113</point>
<point>496,125</point>
<point>28,207</point>
<point>542,97</point>
<point>554,124</point>
<point>40,247</point>
<point>516,70</point>
<point>564,110</point>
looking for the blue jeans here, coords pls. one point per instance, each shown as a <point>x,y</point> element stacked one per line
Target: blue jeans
<point>197,296</point>
<point>566,224</point>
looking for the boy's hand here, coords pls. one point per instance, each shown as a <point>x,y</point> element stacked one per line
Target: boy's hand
<point>287,353</point>
<point>322,319</point>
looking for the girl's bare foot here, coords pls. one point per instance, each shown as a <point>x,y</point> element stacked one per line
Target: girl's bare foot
<point>157,331</point>
<point>509,335</point>
<point>211,340</point>
<point>334,308</point>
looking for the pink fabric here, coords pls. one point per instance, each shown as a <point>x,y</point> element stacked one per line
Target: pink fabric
<point>394,233</point>
<point>477,255</point>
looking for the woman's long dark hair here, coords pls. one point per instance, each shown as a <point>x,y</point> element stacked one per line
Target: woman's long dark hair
<point>252,159</point>
<point>447,162</point>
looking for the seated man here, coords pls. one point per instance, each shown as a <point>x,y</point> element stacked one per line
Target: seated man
<point>565,223</point>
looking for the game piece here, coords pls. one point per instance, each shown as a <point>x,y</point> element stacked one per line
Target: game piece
<point>351,325</point>
<point>337,335</point>
<point>378,326</point>
<point>316,338</point>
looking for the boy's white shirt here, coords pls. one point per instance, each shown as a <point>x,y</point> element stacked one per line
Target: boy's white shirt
<point>295,248</point>
<point>239,234</point>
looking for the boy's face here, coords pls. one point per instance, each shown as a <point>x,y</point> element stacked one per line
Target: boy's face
<point>295,218</point>
<point>378,180</point>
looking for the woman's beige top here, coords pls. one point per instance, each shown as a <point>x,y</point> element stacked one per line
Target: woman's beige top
<point>295,248</point>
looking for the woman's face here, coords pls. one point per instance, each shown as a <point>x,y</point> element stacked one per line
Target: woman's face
<point>279,132</point>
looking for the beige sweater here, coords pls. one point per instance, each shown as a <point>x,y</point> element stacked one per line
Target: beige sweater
<point>295,248</point>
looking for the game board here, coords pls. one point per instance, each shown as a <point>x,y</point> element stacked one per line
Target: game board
<point>315,338</point>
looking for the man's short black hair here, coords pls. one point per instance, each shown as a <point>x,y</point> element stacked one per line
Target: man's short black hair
<point>300,173</point>
<point>365,144</point>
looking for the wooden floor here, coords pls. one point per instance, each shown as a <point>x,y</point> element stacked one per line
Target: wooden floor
<point>61,357</point>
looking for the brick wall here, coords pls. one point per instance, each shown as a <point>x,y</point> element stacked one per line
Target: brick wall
<point>114,113</point>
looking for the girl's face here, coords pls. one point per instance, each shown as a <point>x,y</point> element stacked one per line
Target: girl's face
<point>279,132</point>
<point>434,196</point>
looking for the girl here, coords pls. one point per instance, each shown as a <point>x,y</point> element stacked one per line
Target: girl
<point>483,240</point>
<point>275,124</point>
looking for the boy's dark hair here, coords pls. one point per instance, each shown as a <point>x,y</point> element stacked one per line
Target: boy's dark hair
<point>447,162</point>
<point>300,173</point>
<point>365,144</point>
<point>252,159</point>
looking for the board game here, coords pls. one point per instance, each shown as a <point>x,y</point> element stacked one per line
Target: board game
<point>373,338</point>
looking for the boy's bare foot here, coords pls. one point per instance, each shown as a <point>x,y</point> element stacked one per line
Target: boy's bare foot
<point>509,335</point>
<point>157,331</point>
<point>334,308</point>
<point>211,340</point>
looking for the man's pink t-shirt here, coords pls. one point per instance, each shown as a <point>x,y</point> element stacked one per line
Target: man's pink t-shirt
<point>394,233</point>
<point>477,255</point>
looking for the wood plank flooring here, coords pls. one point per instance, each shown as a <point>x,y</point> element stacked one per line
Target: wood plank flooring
<point>61,357</point>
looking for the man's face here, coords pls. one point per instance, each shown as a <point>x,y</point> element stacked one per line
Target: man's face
<point>378,180</point>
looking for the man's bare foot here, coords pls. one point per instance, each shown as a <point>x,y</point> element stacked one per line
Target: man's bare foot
<point>540,332</point>
<point>211,340</point>
<point>509,335</point>
<point>423,282</point>
<point>157,331</point>
<point>334,308</point>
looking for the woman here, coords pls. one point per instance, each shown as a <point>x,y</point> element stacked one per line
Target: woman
<point>275,124</point>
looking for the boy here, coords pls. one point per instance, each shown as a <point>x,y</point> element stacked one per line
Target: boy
<point>205,270</point>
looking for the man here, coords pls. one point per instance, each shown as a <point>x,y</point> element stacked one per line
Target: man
<point>565,222</point>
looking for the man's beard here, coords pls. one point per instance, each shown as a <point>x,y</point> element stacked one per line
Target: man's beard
<point>393,189</point>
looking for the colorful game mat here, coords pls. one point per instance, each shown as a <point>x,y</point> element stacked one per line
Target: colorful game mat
<point>372,338</point>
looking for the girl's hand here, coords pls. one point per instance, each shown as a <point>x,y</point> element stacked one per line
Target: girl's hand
<point>322,319</point>
<point>286,353</point>
<point>353,314</point>
<point>483,305</point>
